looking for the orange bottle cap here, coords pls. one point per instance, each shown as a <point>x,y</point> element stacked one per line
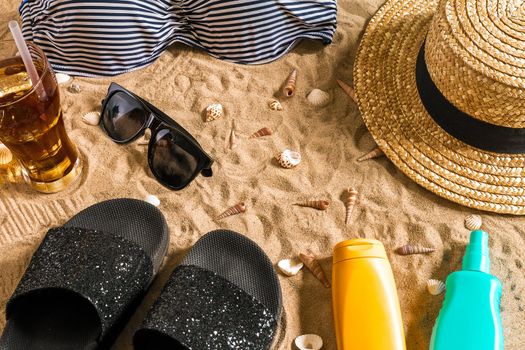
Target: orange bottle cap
<point>359,248</point>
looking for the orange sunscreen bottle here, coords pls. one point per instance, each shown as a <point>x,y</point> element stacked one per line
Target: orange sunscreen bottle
<point>364,297</point>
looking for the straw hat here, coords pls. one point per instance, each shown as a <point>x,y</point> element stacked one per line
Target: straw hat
<point>441,87</point>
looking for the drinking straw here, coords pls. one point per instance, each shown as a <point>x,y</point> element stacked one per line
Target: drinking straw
<point>26,57</point>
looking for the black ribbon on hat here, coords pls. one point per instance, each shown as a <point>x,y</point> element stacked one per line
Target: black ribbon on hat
<point>472,131</point>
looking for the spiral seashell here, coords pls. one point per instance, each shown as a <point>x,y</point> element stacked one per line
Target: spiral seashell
<point>318,98</point>
<point>290,267</point>
<point>409,249</point>
<point>350,201</point>
<point>153,200</point>
<point>289,87</point>
<point>315,268</point>
<point>214,111</point>
<point>348,90</point>
<point>261,132</point>
<point>309,342</point>
<point>91,118</point>
<point>435,287</point>
<point>288,159</point>
<point>5,155</point>
<point>62,78</point>
<point>375,153</point>
<point>74,88</point>
<point>316,204</point>
<point>473,222</point>
<point>236,209</point>
<point>275,105</point>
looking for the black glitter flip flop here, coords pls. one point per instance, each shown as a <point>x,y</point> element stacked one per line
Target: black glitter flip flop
<point>224,295</point>
<point>86,278</point>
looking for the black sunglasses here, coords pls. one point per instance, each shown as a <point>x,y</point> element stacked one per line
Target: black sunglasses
<point>174,156</point>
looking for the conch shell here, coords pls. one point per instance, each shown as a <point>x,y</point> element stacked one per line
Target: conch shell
<point>275,105</point>
<point>289,87</point>
<point>261,132</point>
<point>289,159</point>
<point>309,342</point>
<point>375,153</point>
<point>351,199</point>
<point>5,155</point>
<point>348,90</point>
<point>290,267</point>
<point>91,118</point>
<point>435,287</point>
<point>236,209</point>
<point>214,111</point>
<point>316,204</point>
<point>315,268</point>
<point>413,249</point>
<point>473,222</point>
<point>318,97</point>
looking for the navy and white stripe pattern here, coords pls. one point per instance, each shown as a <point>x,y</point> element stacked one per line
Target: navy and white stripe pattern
<point>108,37</point>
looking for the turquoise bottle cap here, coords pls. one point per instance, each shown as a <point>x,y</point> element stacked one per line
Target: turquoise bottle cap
<point>476,256</point>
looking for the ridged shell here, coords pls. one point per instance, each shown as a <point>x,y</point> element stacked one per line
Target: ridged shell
<point>236,209</point>
<point>5,155</point>
<point>214,111</point>
<point>350,200</point>
<point>153,200</point>
<point>375,153</point>
<point>62,78</point>
<point>409,249</point>
<point>290,267</point>
<point>316,204</point>
<point>289,87</point>
<point>261,132</point>
<point>348,90</point>
<point>309,342</point>
<point>91,118</point>
<point>74,88</point>
<point>315,268</point>
<point>435,287</point>
<point>318,98</point>
<point>473,222</point>
<point>288,159</point>
<point>275,105</point>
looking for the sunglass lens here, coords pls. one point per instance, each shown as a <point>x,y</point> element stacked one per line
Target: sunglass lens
<point>170,162</point>
<point>123,117</point>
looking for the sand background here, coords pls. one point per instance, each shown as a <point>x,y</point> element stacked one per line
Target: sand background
<point>391,208</point>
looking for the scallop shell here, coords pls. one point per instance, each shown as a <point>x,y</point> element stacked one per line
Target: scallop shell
<point>473,222</point>
<point>316,204</point>
<point>214,111</point>
<point>348,90</point>
<point>153,200</point>
<point>309,342</point>
<point>375,153</point>
<point>289,87</point>
<point>409,249</point>
<point>289,159</point>
<point>290,267</point>
<point>236,209</point>
<point>275,105</point>
<point>435,287</point>
<point>5,155</point>
<point>261,132</point>
<point>91,118</point>
<point>74,88</point>
<point>62,78</point>
<point>318,97</point>
<point>315,268</point>
<point>351,199</point>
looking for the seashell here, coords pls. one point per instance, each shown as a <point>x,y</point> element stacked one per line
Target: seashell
<point>409,249</point>
<point>290,267</point>
<point>74,88</point>
<point>473,222</point>
<point>236,209</point>
<point>91,118</point>
<point>375,153</point>
<point>318,97</point>
<point>5,155</point>
<point>309,342</point>
<point>62,78</point>
<point>275,105</point>
<point>288,159</point>
<point>351,199</point>
<point>348,90</point>
<point>315,268</point>
<point>153,200</point>
<point>316,204</point>
<point>289,87</point>
<point>214,111</point>
<point>435,287</point>
<point>261,132</point>
<point>144,140</point>
<point>233,137</point>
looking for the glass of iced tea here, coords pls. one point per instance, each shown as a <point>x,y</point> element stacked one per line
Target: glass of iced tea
<point>31,122</point>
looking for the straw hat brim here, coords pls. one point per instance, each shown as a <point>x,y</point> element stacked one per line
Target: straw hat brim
<point>385,84</point>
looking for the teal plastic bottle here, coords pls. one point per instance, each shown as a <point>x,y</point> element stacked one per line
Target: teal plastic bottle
<point>470,316</point>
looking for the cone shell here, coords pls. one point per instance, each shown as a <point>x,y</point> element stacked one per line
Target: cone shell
<point>289,87</point>
<point>315,268</point>
<point>375,153</point>
<point>153,200</point>
<point>351,199</point>
<point>409,249</point>
<point>214,111</point>
<point>316,204</point>
<point>261,132</point>
<point>236,209</point>
<point>91,118</point>
<point>275,105</point>
<point>288,159</point>
<point>318,98</point>
<point>290,267</point>
<point>348,90</point>
<point>62,78</point>
<point>435,287</point>
<point>473,222</point>
<point>5,155</point>
<point>309,342</point>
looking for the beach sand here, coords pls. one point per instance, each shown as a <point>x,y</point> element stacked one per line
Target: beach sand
<point>391,208</point>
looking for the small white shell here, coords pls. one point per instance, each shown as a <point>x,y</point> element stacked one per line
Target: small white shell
<point>290,267</point>
<point>153,200</point>
<point>473,222</point>
<point>5,155</point>
<point>435,287</point>
<point>289,159</point>
<point>275,105</point>
<point>318,97</point>
<point>62,78</point>
<point>74,88</point>
<point>91,118</point>
<point>214,111</point>
<point>309,342</point>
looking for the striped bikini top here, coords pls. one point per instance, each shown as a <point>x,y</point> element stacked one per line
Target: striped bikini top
<point>108,37</point>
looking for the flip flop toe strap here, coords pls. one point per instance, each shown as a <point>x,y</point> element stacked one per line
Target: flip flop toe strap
<point>201,310</point>
<point>105,269</point>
